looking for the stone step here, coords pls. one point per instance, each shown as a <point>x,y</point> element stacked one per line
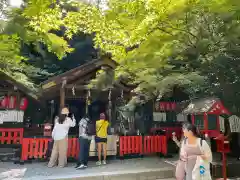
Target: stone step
<point>8,154</point>
<point>152,174</point>
<point>232,170</point>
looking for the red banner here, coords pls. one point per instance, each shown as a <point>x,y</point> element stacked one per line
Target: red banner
<point>23,104</point>
<point>165,106</point>
<point>10,102</point>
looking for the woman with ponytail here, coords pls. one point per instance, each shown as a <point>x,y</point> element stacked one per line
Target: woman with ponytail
<point>194,151</point>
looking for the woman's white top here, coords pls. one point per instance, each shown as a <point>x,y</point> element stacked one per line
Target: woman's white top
<point>60,131</point>
<point>206,150</point>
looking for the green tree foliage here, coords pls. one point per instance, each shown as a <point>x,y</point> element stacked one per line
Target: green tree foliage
<point>161,44</point>
<point>158,44</point>
<point>32,26</point>
<point>146,38</point>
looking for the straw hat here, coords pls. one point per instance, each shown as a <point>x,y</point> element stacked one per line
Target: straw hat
<point>65,111</point>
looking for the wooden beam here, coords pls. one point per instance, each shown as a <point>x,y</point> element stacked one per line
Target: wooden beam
<point>83,87</point>
<point>6,89</point>
<point>85,78</point>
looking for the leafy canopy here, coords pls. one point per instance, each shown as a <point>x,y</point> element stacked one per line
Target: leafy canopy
<point>34,24</point>
<point>158,44</point>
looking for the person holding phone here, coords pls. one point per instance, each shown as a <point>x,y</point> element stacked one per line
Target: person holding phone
<point>60,137</point>
<point>101,138</point>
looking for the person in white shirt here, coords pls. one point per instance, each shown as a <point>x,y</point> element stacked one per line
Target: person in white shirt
<point>60,137</point>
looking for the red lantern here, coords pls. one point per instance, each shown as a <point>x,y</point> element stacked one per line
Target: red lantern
<point>5,102</point>
<point>162,106</point>
<point>12,102</point>
<point>23,104</point>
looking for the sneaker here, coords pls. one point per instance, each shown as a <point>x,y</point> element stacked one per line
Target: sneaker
<point>81,167</point>
<point>77,166</point>
<point>98,163</point>
<point>104,162</point>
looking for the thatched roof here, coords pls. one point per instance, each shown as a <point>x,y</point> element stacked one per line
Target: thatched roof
<point>205,105</point>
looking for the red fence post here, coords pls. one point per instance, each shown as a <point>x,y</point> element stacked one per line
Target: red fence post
<point>24,154</point>
<point>73,147</point>
<point>164,145</point>
<point>140,142</point>
<point>121,146</point>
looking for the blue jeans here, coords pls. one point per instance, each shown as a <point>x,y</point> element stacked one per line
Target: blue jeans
<point>84,151</point>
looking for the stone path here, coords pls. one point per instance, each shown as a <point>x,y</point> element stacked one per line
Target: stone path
<point>134,169</point>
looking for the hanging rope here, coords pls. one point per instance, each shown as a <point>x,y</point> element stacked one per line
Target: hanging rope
<point>122,95</point>
<point>88,100</point>
<point>73,91</point>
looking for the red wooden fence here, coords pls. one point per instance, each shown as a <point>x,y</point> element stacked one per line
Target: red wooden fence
<point>37,148</point>
<point>34,148</point>
<point>130,145</point>
<point>11,135</point>
<point>139,145</point>
<point>155,144</point>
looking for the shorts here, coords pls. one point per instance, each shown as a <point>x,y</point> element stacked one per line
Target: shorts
<point>100,140</point>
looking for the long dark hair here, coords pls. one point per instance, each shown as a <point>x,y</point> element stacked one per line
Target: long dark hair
<point>61,118</point>
<point>190,127</point>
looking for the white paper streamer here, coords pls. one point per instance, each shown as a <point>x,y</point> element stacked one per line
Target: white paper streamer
<point>11,116</point>
<point>221,122</point>
<point>234,122</point>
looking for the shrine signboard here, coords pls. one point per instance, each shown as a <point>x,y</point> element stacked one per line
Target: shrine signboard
<point>165,106</point>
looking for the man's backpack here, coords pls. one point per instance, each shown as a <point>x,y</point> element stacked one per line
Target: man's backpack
<point>91,128</point>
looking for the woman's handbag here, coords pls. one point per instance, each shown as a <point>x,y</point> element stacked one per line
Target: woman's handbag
<point>201,170</point>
